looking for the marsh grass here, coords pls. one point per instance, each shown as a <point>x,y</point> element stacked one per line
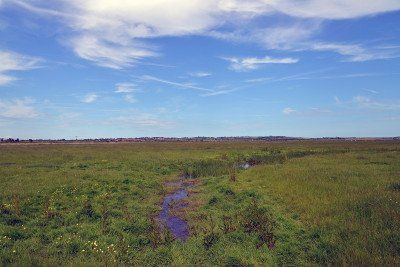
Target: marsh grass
<point>395,186</point>
<point>255,219</point>
<point>16,204</point>
<point>233,174</point>
<point>301,203</point>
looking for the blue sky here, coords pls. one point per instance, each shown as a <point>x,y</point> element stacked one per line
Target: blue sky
<point>118,68</point>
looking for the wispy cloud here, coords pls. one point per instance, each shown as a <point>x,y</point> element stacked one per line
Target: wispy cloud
<point>136,118</point>
<point>221,92</point>
<point>307,112</point>
<point>18,109</point>
<point>316,75</point>
<point>301,36</point>
<point>69,119</point>
<point>200,74</point>
<point>108,53</point>
<point>353,75</point>
<point>111,33</point>
<point>177,84</point>
<point>371,91</point>
<point>11,61</point>
<point>335,9</point>
<point>258,80</point>
<point>299,76</point>
<point>369,103</point>
<point>280,37</point>
<point>125,88</point>
<point>89,98</point>
<point>288,111</point>
<point>252,63</point>
<point>130,99</point>
<point>356,52</point>
<point>128,89</point>
<point>6,79</point>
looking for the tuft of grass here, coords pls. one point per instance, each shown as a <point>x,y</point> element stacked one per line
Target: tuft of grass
<point>395,186</point>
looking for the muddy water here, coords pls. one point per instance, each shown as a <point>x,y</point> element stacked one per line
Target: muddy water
<point>177,226</point>
<point>173,202</point>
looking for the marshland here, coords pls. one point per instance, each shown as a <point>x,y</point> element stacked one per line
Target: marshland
<point>243,203</point>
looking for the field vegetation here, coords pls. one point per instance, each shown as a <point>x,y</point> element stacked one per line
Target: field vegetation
<point>298,203</point>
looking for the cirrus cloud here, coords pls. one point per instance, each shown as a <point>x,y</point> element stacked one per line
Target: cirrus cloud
<point>118,33</point>
<point>252,63</point>
<point>89,98</point>
<point>288,111</point>
<point>11,61</point>
<point>18,109</point>
<point>125,88</point>
<point>200,74</point>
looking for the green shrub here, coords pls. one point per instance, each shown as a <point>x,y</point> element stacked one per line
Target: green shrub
<point>395,186</point>
<point>210,240</point>
<point>259,220</point>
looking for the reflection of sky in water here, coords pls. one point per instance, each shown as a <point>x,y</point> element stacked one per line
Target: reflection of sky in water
<point>177,226</point>
<point>244,166</point>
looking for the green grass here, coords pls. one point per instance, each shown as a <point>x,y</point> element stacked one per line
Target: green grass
<point>303,203</point>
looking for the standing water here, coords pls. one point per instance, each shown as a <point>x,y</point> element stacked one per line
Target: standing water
<point>177,226</point>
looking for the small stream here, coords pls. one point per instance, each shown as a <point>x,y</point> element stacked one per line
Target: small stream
<point>177,226</point>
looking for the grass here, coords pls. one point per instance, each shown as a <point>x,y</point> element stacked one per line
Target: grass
<point>301,203</point>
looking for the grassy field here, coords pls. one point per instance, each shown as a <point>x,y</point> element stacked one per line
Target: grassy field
<point>301,203</point>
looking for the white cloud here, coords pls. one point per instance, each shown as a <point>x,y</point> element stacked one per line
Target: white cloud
<point>125,88</point>
<point>371,91</point>
<point>314,111</point>
<point>285,37</point>
<point>5,79</point>
<point>356,52</point>
<point>113,33</point>
<point>324,9</point>
<point>334,9</point>
<point>90,98</point>
<point>108,53</point>
<point>301,37</point>
<point>10,61</point>
<point>18,109</point>
<point>361,99</point>
<point>288,111</point>
<point>13,61</point>
<point>131,99</point>
<point>251,63</point>
<point>366,102</point>
<point>200,74</point>
<point>289,37</point>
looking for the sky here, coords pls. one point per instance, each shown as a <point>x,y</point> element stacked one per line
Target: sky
<point>174,68</point>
